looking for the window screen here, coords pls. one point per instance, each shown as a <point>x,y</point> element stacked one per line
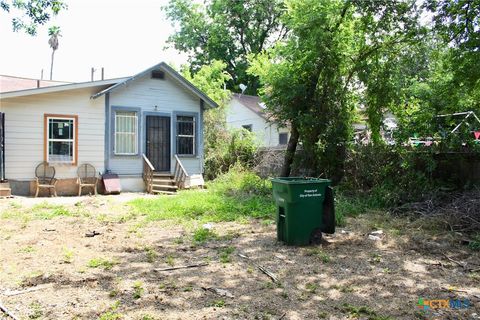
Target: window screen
<point>126,133</point>
<point>283,138</point>
<point>185,135</point>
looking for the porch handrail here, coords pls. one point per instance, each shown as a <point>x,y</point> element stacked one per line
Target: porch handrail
<point>179,174</point>
<point>148,170</point>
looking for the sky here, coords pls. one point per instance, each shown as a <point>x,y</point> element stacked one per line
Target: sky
<point>124,37</point>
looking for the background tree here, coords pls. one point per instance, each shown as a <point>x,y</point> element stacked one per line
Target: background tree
<point>313,80</point>
<point>227,31</point>
<point>33,13</point>
<point>54,34</point>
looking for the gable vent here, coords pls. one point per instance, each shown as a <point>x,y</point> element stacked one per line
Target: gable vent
<point>157,74</point>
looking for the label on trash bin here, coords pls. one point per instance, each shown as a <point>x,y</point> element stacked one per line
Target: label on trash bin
<point>308,193</point>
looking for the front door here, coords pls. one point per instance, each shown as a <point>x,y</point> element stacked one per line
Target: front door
<point>158,142</point>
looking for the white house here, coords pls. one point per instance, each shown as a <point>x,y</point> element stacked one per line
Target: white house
<point>248,112</point>
<point>114,125</point>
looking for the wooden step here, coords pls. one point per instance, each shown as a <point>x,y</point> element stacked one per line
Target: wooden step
<point>164,191</point>
<point>164,181</point>
<point>5,192</point>
<point>165,186</point>
<point>160,174</point>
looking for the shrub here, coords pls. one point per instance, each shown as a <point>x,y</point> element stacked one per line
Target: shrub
<point>232,147</point>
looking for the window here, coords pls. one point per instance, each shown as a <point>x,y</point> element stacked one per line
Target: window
<point>247,127</point>
<point>126,133</point>
<point>185,135</point>
<point>283,138</point>
<point>61,139</point>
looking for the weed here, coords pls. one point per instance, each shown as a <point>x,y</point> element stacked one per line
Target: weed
<point>322,315</point>
<point>178,240</point>
<point>170,260</point>
<point>225,254</point>
<point>187,289</point>
<point>376,258</point>
<point>36,311</point>
<point>151,254</point>
<point>15,205</point>
<point>137,290</point>
<point>101,262</point>
<point>475,243</point>
<point>147,317</point>
<point>346,289</point>
<point>268,285</point>
<point>67,255</point>
<point>311,287</point>
<point>110,315</point>
<point>168,286</point>
<point>202,235</point>
<point>317,252</point>
<point>113,293</point>
<point>27,249</point>
<point>363,311</point>
<point>230,235</point>
<point>46,211</point>
<point>217,303</point>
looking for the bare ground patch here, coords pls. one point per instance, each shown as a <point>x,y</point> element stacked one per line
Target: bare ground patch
<point>51,270</point>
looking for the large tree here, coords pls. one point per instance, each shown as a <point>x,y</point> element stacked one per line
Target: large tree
<point>31,13</point>
<point>227,31</point>
<point>335,58</point>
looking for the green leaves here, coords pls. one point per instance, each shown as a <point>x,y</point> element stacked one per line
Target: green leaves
<point>35,13</point>
<point>227,31</point>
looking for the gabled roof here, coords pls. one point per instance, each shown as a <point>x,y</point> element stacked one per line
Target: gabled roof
<point>170,71</point>
<point>64,87</point>
<point>251,102</point>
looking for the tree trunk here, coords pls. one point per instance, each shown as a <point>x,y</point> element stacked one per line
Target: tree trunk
<point>290,153</point>
<point>51,65</point>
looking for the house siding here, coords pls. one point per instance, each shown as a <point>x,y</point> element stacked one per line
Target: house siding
<point>267,134</point>
<point>170,98</point>
<point>24,131</point>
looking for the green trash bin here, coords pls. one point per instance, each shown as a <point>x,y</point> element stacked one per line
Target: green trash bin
<point>305,209</point>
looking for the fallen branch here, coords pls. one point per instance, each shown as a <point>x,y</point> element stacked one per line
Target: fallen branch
<point>182,267</point>
<point>463,265</point>
<point>270,274</point>
<point>17,292</point>
<point>8,313</point>
<point>283,316</point>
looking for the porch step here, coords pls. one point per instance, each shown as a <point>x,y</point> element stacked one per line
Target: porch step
<point>163,175</point>
<point>164,186</point>
<point>5,192</point>
<point>163,191</point>
<point>163,181</point>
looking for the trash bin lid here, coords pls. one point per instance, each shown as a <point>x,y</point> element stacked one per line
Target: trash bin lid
<point>299,180</point>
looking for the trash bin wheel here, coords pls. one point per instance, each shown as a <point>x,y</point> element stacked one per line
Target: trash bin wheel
<point>316,236</point>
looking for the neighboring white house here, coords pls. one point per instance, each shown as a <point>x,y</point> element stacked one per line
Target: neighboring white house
<point>248,112</point>
<point>110,124</point>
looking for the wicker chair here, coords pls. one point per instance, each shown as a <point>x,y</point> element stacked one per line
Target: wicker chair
<point>45,178</point>
<point>87,178</point>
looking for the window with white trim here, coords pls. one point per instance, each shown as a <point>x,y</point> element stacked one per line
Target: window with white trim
<point>61,141</point>
<point>126,133</point>
<point>185,135</point>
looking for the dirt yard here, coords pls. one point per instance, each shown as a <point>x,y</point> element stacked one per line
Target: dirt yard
<point>50,269</point>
